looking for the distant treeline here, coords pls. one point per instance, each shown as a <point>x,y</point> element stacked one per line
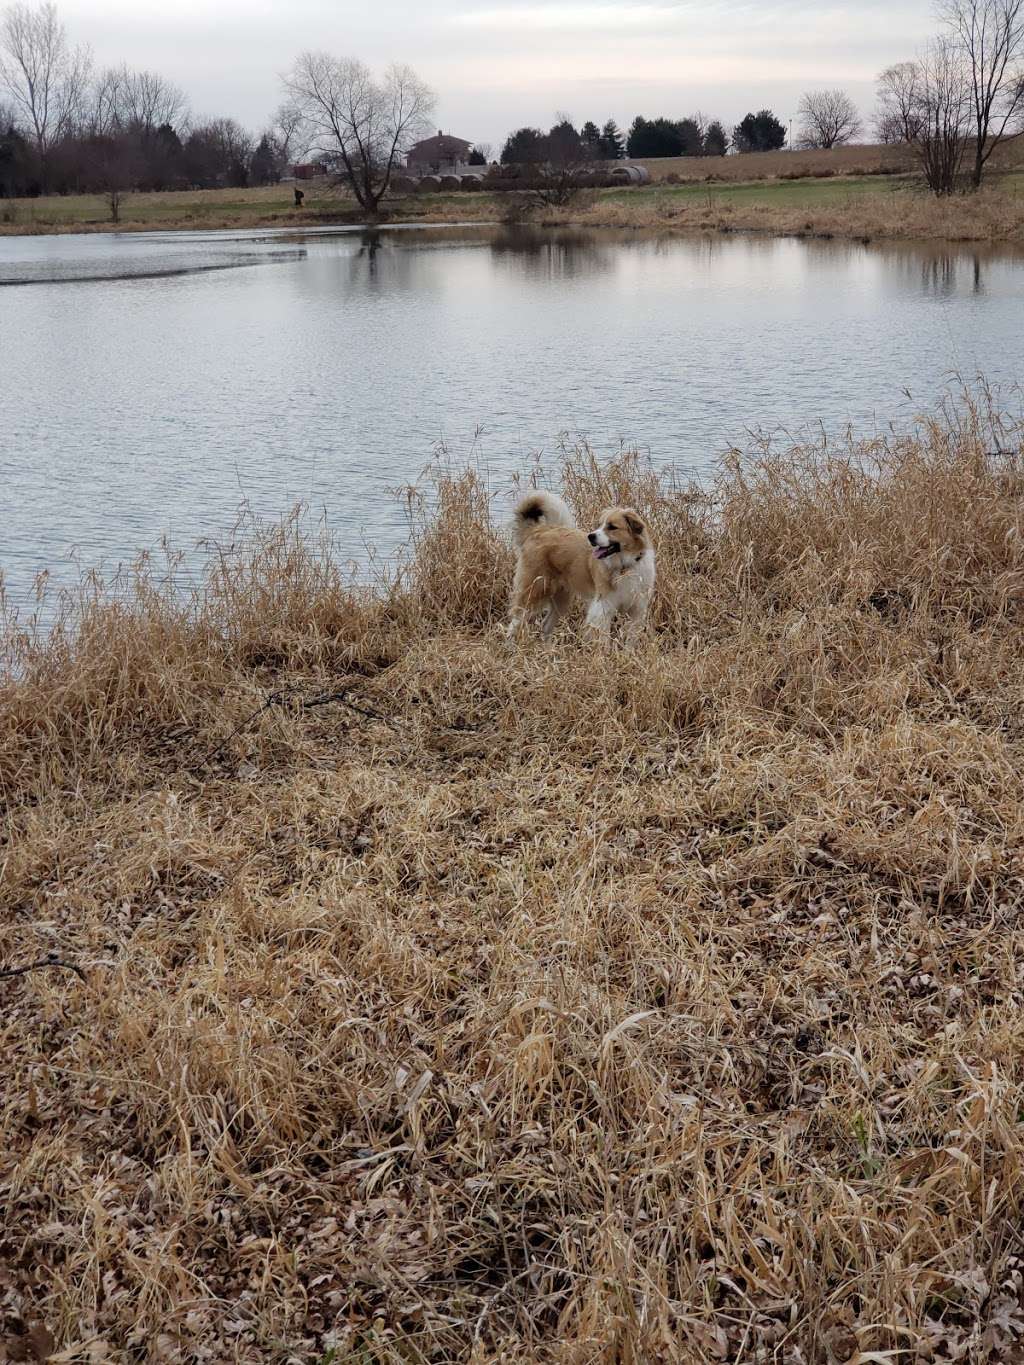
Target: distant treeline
<point>692,136</point>
<point>67,127</point>
<point>215,153</point>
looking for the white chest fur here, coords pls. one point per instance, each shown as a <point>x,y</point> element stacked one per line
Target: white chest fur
<point>629,593</point>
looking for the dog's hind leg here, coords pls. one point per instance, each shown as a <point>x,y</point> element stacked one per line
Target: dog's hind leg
<point>554,609</point>
<point>531,602</point>
<point>528,615</point>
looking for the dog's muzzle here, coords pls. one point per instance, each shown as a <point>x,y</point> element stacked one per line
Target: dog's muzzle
<point>603,551</point>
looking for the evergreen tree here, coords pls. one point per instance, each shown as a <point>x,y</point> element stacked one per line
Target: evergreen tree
<point>760,132</point>
<point>263,168</point>
<point>164,159</point>
<point>18,171</point>
<point>590,136</point>
<point>563,144</point>
<point>524,147</point>
<point>613,144</point>
<point>691,137</point>
<point>716,140</point>
<point>654,137</point>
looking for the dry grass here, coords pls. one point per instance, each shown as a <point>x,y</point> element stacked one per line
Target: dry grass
<point>782,193</point>
<point>526,1004</point>
<point>867,160</point>
<point>206,210</point>
<point>819,208</point>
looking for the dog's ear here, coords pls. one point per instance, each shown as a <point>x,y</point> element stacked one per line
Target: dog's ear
<point>634,523</point>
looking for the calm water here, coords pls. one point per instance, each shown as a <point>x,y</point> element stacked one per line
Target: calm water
<point>152,384</point>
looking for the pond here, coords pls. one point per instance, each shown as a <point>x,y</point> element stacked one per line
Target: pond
<point>153,384</point>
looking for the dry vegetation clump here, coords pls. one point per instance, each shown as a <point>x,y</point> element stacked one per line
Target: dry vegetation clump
<point>994,214</point>
<point>486,1003</point>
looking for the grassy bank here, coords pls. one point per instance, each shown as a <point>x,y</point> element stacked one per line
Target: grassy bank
<point>445,1000</point>
<point>892,209</point>
<point>861,205</point>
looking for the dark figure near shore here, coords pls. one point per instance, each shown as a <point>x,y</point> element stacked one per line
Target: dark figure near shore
<point>299,196</point>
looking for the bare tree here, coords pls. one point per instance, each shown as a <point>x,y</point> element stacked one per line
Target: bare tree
<point>103,116</point>
<point>990,34</point>
<point>45,78</point>
<point>150,100</point>
<point>829,118</point>
<point>217,152</point>
<point>114,164</point>
<point>141,101</point>
<point>287,132</point>
<point>942,110</point>
<point>565,162</point>
<point>364,125</point>
<point>898,116</point>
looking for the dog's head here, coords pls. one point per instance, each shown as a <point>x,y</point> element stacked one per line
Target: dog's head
<point>620,531</point>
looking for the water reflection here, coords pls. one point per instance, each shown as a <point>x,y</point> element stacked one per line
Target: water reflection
<point>561,254</point>
<point>936,270</point>
<point>328,371</point>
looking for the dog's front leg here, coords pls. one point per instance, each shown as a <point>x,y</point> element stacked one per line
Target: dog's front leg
<point>599,618</point>
<point>636,619</point>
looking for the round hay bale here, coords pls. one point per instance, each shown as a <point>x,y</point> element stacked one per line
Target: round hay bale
<point>626,175</point>
<point>473,180</point>
<point>403,184</point>
<point>644,173</point>
<point>430,184</point>
<point>451,182</point>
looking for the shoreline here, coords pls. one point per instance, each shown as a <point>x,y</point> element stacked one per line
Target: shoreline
<point>854,208</point>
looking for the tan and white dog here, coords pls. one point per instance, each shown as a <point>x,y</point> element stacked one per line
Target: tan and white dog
<point>612,568</point>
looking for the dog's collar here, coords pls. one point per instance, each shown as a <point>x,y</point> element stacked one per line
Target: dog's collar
<point>636,560</point>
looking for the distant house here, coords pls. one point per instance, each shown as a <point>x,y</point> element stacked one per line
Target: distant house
<point>309,170</point>
<point>436,154</point>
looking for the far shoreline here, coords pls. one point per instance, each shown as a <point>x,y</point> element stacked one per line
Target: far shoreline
<point>890,207</point>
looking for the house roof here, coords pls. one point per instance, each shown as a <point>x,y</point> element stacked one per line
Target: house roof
<point>441,145</point>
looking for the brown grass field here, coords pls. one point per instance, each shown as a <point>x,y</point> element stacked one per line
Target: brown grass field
<point>897,211</point>
<point>444,1000</point>
<point>749,166</point>
<point>851,192</point>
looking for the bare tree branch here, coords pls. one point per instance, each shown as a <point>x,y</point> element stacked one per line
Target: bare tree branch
<point>828,118</point>
<point>124,100</point>
<point>941,114</point>
<point>990,36</point>
<point>898,116</point>
<point>362,125</point>
<point>44,77</point>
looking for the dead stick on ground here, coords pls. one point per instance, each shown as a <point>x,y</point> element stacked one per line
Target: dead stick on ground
<point>43,962</point>
<point>301,704</point>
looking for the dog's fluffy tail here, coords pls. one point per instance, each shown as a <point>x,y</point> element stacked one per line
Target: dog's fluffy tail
<point>537,510</point>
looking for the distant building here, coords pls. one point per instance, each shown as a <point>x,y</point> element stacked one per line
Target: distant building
<point>435,155</point>
<point>309,170</point>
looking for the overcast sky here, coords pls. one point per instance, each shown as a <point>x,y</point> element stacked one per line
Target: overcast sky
<point>498,65</point>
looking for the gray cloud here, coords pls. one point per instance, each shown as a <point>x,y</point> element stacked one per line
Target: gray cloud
<point>499,63</point>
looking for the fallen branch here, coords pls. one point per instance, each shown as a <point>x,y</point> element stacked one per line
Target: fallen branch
<point>300,704</point>
<point>49,961</point>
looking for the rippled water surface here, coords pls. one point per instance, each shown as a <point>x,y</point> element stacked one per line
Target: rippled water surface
<point>152,384</point>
